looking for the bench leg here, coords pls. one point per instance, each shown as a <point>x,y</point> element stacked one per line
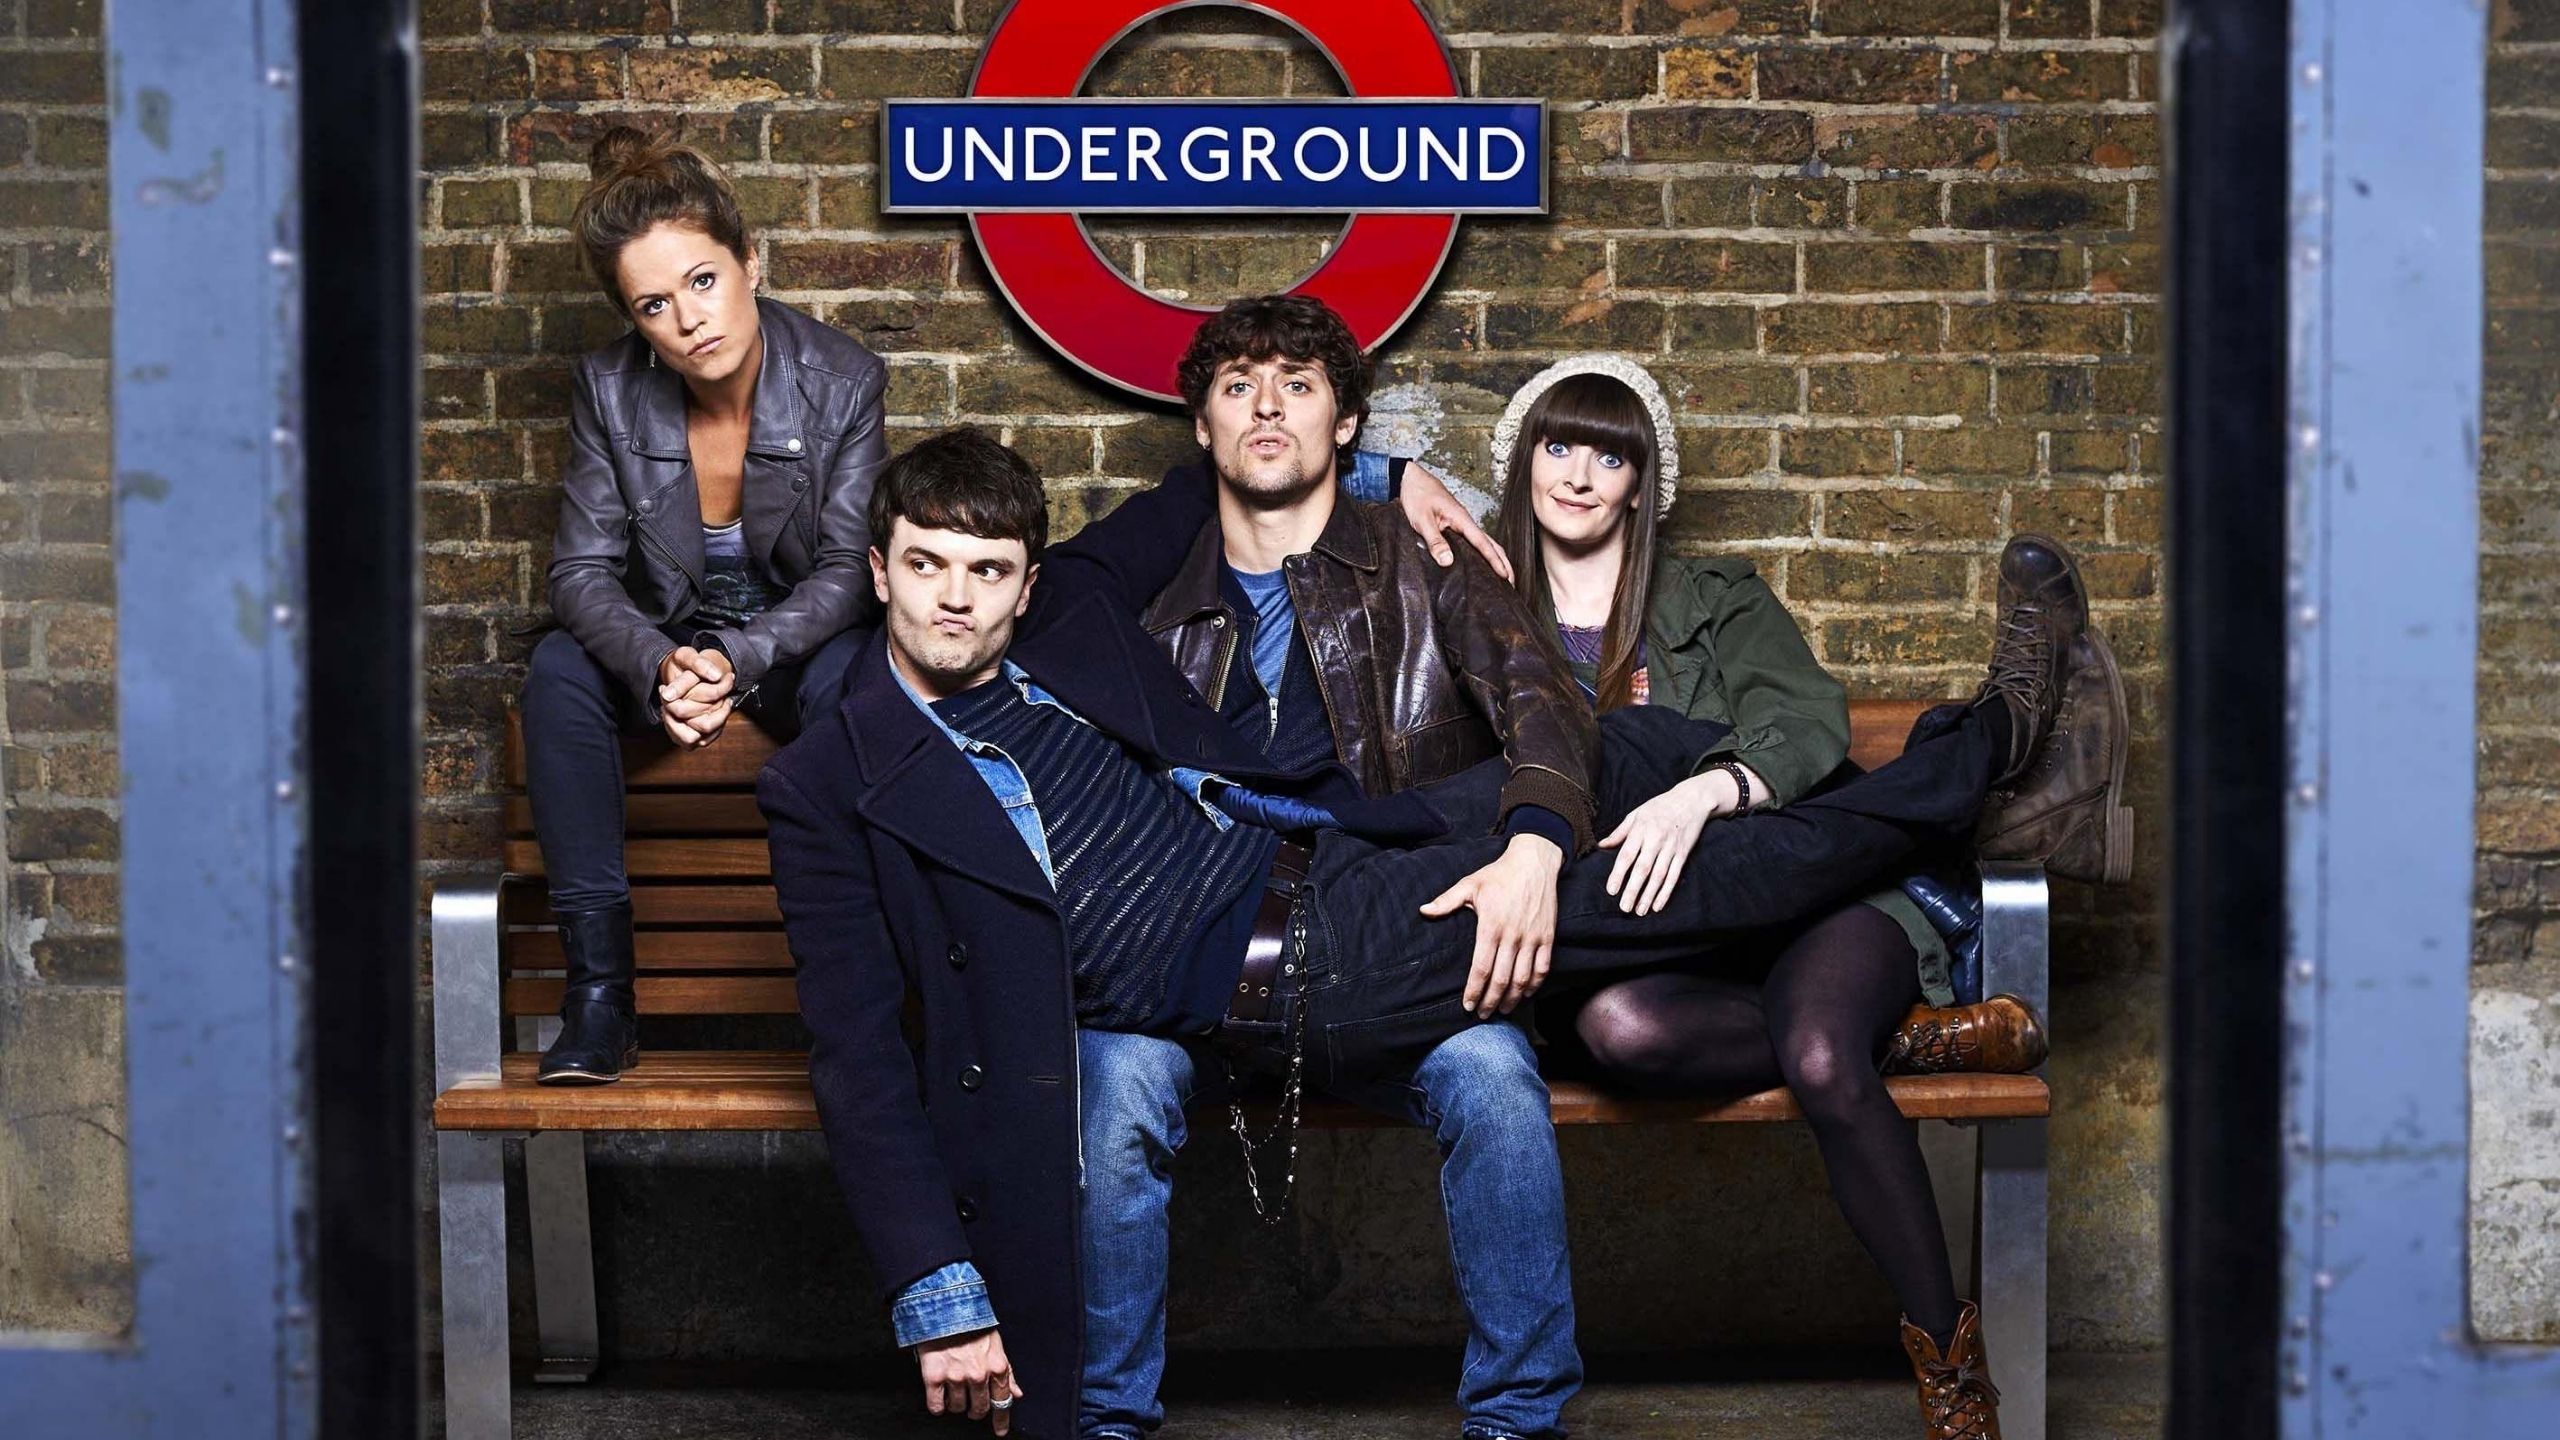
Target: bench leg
<point>471,1212</point>
<point>2009,1247</point>
<point>564,1255</point>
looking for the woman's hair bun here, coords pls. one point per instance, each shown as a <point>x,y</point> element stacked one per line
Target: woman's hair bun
<point>620,149</point>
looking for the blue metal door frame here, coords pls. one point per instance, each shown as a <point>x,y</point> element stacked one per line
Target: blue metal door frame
<point>202,170</point>
<point>2382,573</point>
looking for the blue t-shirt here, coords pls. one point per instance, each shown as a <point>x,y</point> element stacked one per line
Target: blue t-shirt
<point>1275,624</point>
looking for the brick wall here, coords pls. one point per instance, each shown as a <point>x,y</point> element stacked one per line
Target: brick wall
<point>1896,264</point>
<point>2516,943</point>
<point>62,1241</point>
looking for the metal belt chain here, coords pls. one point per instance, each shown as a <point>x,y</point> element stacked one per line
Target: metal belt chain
<point>1292,1090</point>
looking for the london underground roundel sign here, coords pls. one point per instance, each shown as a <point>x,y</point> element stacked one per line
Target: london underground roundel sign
<point>1023,156</point>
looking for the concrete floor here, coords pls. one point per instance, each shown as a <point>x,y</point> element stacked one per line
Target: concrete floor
<point>1363,1396</point>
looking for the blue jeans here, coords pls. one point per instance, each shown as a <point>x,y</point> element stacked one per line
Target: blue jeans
<point>1500,1185</point>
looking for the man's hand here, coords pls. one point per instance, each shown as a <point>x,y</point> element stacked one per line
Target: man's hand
<point>1515,903</point>
<point>1654,841</point>
<point>1430,509</point>
<point>694,695</point>
<point>966,1374</point>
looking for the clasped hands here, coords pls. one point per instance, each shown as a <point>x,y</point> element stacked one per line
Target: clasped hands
<point>695,695</point>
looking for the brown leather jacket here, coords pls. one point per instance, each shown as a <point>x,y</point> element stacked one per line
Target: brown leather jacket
<point>1424,670</point>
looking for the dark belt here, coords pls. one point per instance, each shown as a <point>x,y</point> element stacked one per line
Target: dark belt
<point>1252,1000</point>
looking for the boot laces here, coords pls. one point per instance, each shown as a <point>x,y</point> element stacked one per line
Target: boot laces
<point>2021,657</point>
<point>1961,1399</point>
<point>1930,1047</point>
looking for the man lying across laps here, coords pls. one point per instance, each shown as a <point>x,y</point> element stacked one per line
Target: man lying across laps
<point>1023,815</point>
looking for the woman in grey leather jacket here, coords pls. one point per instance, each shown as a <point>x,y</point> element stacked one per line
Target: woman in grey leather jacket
<point>712,548</point>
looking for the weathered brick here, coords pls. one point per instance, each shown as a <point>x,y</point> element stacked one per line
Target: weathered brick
<point>474,329</point>
<point>1213,269</point>
<point>79,959</point>
<point>551,137</point>
<point>1855,578</point>
<point>1711,265</point>
<point>2038,205</point>
<point>1625,200</point>
<point>1696,18</point>
<point>2523,142</point>
<point>54,204</point>
<point>65,19</point>
<point>71,142</point>
<point>1911,17</point>
<point>1892,206</point>
<point>1566,73</point>
<point>80,639</point>
<point>453,456</point>
<point>2049,19</point>
<point>74,332</point>
<point>1706,521</point>
<point>446,514</point>
<point>17,518</point>
<point>1698,329</point>
<point>1908,142</point>
<point>1900,388</point>
<point>61,833</point>
<point>2066,329</point>
<point>1808,329</point>
<point>71,517</point>
<point>1692,72</point>
<point>1055,450</point>
<point>1836,452</point>
<point>2073,516</point>
<point>867,72</point>
<point>874,17</point>
<point>958,325</point>
<point>459,268</point>
<point>2044,390</point>
<point>539,393</point>
<point>551,17</point>
<point>53,77</point>
<point>477,75</point>
<point>1906,265</point>
<point>1802,204</point>
<point>1040,387</point>
<point>574,329</point>
<point>1912,517</point>
<point>53,455</point>
<point>1900,638</point>
<point>1598,323</point>
<point>2133,269</point>
<point>1712,200</point>
<point>61,706</point>
<point>16,136</point>
<point>76,268</point>
<point>464,203</point>
<point>1589,17</point>
<point>864,265</point>
<point>2049,75</point>
<point>457,142</point>
<point>1850,75</point>
<point>1720,453</point>
<point>69,396</point>
<point>88,897</point>
<point>1728,389</point>
<point>2136,19</point>
<point>1973,450</point>
<point>438,18</point>
<point>1722,134</point>
<point>592,73</point>
<point>2107,142</point>
<point>923,389</point>
<point>1146,448</point>
<point>827,137</point>
<point>55,573</point>
<point>2049,266</point>
<point>695,75</point>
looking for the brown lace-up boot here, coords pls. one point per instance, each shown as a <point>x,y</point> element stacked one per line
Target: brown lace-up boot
<point>2000,1036</point>
<point>2063,809</point>
<point>2043,609</point>
<point>1957,1399</point>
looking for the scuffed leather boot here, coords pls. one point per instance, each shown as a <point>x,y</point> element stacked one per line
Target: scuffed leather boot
<point>599,1033</point>
<point>2000,1036</point>
<point>2043,609</point>
<point>2063,810</point>
<point>1957,1399</point>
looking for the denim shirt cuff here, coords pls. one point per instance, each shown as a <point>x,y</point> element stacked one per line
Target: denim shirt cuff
<point>1372,477</point>
<point>950,1301</point>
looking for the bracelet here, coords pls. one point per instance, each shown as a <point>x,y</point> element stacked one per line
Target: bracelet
<point>1741,781</point>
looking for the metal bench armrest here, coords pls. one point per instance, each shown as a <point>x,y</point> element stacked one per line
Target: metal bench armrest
<point>465,931</point>
<point>2016,936</point>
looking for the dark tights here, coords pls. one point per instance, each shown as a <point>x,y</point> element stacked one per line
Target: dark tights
<point>1818,1024</point>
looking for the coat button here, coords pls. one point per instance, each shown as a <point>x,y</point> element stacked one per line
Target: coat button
<point>795,447</point>
<point>648,505</point>
<point>799,482</point>
<point>971,1077</point>
<point>959,956</point>
<point>1217,622</point>
<point>967,1211</point>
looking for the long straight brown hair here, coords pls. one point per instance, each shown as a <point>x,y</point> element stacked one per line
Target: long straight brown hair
<point>1604,414</point>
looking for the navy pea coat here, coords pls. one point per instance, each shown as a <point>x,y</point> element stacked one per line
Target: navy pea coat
<point>900,878</point>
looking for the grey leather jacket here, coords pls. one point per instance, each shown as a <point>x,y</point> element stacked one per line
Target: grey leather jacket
<point>628,562</point>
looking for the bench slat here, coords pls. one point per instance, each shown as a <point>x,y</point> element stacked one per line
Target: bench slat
<point>651,762</point>
<point>732,859</point>
<point>665,813</point>
<point>663,905</point>
<point>670,995</point>
<point>769,1090</point>
<point>761,950</point>
<point>1877,728</point>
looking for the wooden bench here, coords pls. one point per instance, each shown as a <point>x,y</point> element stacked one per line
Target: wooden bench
<point>710,943</point>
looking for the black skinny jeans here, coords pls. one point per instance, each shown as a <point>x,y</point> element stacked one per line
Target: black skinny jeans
<point>575,715</point>
<point>1382,983</point>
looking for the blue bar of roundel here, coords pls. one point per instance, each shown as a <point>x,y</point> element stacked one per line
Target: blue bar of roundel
<point>1105,155</point>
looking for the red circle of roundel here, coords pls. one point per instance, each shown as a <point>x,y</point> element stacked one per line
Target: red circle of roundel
<point>1080,304</point>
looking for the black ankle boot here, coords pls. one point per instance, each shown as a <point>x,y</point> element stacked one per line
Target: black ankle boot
<point>599,1036</point>
<point>1955,912</point>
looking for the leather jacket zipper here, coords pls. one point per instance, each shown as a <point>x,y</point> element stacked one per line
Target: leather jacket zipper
<point>649,538</point>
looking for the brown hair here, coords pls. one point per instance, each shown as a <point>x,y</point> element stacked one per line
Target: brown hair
<point>1264,327</point>
<point>642,181</point>
<point>962,480</point>
<point>1604,414</point>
